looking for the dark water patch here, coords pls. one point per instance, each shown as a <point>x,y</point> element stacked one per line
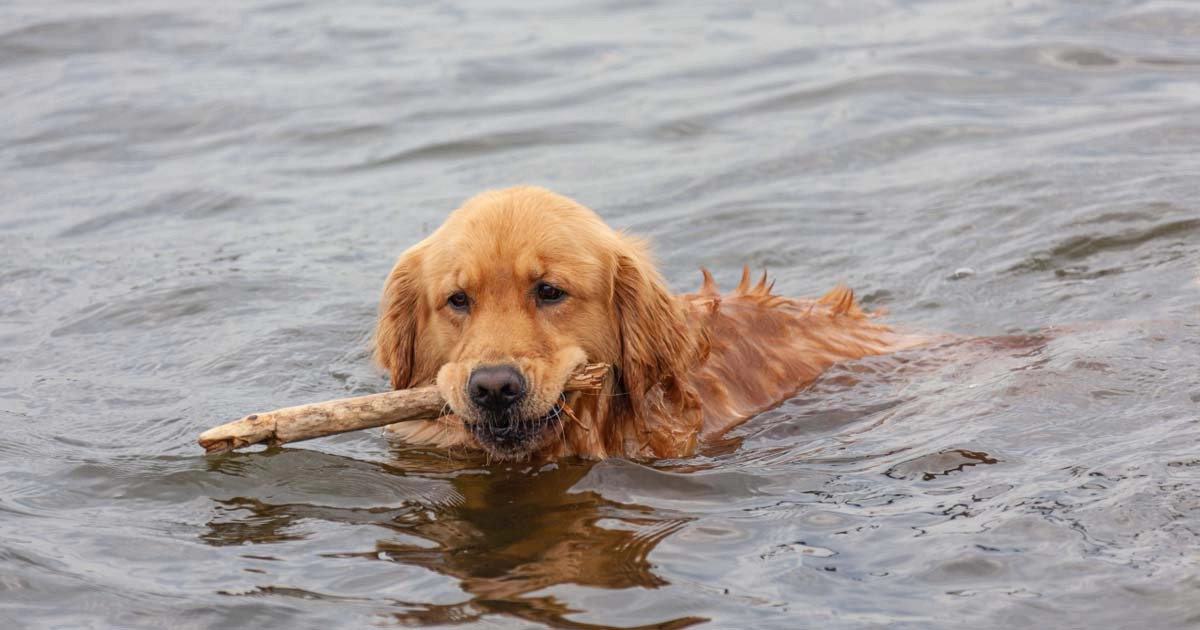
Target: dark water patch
<point>186,204</point>
<point>481,145</point>
<point>1083,247</point>
<point>928,85</point>
<point>20,275</point>
<point>1084,58</point>
<point>333,134</point>
<point>56,39</point>
<point>678,130</point>
<point>127,132</point>
<point>167,307</point>
<point>568,97</point>
<point>1182,63</point>
<point>1174,22</point>
<point>540,65</point>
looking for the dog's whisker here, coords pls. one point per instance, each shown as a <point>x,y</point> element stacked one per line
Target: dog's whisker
<point>604,395</point>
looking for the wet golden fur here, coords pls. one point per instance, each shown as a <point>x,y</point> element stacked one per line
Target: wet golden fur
<point>687,367</point>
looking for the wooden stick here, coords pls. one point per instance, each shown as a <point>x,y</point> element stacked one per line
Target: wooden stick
<point>305,422</point>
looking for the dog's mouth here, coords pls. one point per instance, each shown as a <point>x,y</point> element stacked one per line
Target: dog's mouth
<point>507,435</point>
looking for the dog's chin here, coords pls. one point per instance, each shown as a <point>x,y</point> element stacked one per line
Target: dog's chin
<point>509,436</point>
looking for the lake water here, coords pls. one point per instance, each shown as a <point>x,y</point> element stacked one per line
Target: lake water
<point>200,201</point>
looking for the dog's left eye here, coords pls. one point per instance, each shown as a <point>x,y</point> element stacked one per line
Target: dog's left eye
<point>459,301</point>
<point>548,293</point>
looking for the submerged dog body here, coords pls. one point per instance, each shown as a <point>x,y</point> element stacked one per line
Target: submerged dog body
<point>520,286</point>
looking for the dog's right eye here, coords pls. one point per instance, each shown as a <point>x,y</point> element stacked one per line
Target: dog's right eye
<point>458,301</point>
<point>549,294</point>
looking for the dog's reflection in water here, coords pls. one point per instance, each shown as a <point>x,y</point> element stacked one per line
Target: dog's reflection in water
<point>517,532</point>
<point>509,533</point>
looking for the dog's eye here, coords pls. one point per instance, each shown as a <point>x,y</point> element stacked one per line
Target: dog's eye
<point>549,294</point>
<point>458,301</point>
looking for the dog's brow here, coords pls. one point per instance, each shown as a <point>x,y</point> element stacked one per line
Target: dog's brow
<point>535,274</point>
<point>462,279</point>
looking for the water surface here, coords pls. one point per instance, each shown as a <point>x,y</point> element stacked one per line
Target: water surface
<point>200,203</point>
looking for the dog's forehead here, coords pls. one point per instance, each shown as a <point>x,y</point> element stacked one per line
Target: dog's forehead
<point>505,237</point>
<point>522,261</point>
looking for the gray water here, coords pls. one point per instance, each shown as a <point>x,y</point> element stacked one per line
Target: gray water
<point>200,200</point>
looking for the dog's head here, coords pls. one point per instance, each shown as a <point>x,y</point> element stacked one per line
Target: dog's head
<point>514,291</point>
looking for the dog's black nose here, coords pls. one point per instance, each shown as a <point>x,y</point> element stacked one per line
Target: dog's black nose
<point>495,387</point>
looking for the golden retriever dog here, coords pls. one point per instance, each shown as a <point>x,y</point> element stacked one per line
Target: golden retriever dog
<point>521,286</point>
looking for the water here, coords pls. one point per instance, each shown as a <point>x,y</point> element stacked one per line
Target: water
<point>200,202</point>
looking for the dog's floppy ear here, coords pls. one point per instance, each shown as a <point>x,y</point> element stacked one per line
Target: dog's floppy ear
<point>656,347</point>
<point>396,330</point>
